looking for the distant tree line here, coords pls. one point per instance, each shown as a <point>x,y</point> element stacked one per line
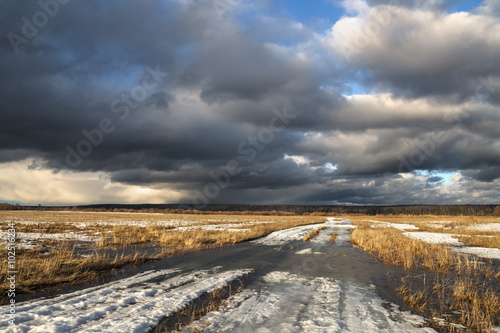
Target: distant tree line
<point>243,209</point>
<point>6,206</point>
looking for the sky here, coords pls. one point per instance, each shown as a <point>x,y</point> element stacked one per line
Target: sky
<point>250,101</point>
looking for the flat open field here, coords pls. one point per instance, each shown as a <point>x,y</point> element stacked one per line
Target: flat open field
<point>61,247</point>
<point>283,273</point>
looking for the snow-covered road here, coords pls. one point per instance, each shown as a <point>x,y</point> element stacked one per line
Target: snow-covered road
<point>287,302</point>
<point>296,287</point>
<point>306,299</point>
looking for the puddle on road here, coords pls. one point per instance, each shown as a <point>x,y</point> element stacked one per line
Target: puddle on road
<point>337,262</point>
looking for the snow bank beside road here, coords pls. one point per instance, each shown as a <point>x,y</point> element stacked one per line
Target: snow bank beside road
<point>135,304</point>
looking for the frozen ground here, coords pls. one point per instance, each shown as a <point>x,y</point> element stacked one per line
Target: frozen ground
<point>446,238</point>
<point>486,227</point>
<point>90,230</point>
<point>434,237</point>
<point>134,304</point>
<point>456,245</point>
<point>316,286</point>
<point>286,302</point>
<point>31,240</point>
<point>400,226</point>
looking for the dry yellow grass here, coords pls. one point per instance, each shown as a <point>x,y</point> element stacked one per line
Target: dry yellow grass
<point>333,237</point>
<point>477,302</point>
<point>61,264</point>
<point>462,226</point>
<point>313,234</point>
<point>490,241</point>
<point>393,248</point>
<point>200,238</point>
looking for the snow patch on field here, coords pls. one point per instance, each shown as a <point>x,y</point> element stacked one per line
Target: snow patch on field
<point>134,304</point>
<point>30,240</point>
<point>57,236</point>
<point>486,227</point>
<point>434,237</point>
<point>399,226</point>
<point>490,253</point>
<point>216,227</point>
<point>456,245</point>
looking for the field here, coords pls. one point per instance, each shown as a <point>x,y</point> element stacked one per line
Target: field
<point>461,290</point>
<point>296,273</point>
<point>66,247</point>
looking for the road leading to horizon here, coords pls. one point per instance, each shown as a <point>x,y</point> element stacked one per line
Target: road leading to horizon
<point>291,286</point>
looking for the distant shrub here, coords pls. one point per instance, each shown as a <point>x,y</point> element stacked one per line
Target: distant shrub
<point>496,212</point>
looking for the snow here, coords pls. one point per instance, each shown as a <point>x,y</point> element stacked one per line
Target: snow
<point>490,253</point>
<point>486,227</point>
<point>30,236</point>
<point>434,237</point>
<point>308,251</point>
<point>180,222</point>
<point>30,240</point>
<point>287,302</point>
<point>283,301</point>
<point>217,227</point>
<point>456,245</point>
<point>134,304</point>
<point>400,226</point>
<point>282,237</point>
<point>279,301</point>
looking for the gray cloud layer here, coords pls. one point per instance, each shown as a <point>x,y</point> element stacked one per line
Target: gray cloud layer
<point>431,81</point>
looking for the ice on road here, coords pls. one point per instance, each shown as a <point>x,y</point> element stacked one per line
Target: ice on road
<point>285,302</point>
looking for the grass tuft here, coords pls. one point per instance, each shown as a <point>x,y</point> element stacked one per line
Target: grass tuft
<point>313,234</point>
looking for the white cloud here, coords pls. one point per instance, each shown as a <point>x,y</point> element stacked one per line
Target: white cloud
<point>299,160</point>
<point>20,183</point>
<point>416,40</point>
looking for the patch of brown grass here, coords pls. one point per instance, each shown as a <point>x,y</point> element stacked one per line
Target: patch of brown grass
<point>489,241</point>
<point>462,226</point>
<point>462,285</point>
<point>62,266</point>
<point>391,247</point>
<point>332,237</point>
<point>313,234</point>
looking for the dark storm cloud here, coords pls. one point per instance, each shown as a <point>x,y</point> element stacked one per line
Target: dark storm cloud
<point>432,84</point>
